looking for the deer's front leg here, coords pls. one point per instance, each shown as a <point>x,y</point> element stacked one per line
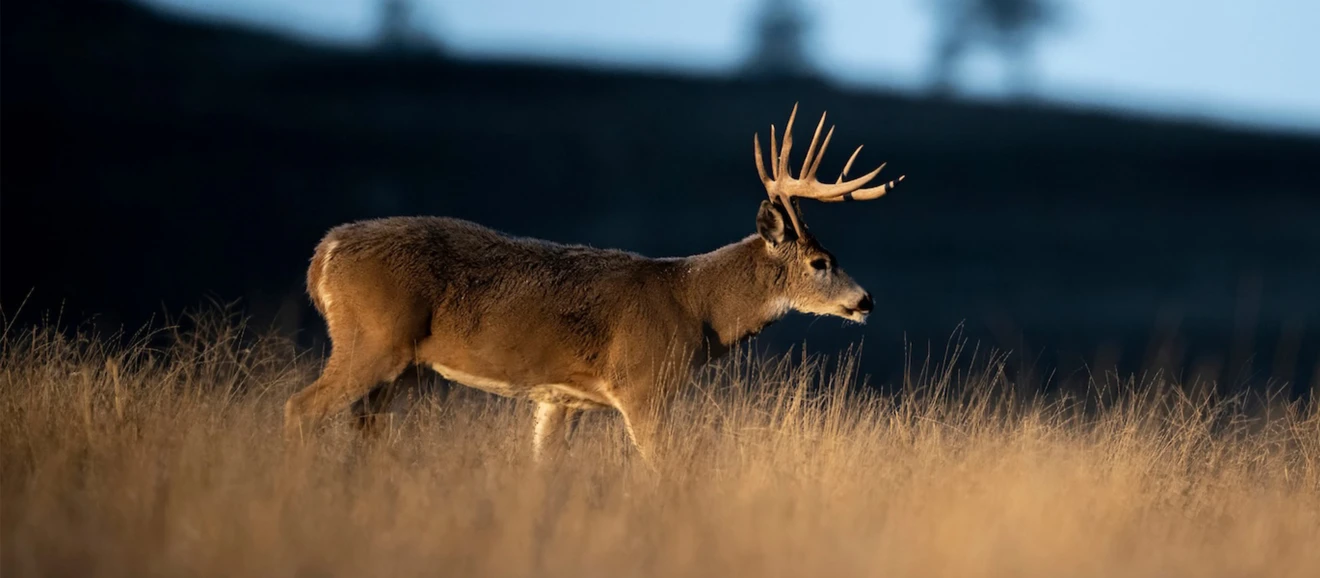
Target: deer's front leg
<point>642,403</point>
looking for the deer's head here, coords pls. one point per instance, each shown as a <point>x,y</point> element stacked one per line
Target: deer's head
<point>812,280</point>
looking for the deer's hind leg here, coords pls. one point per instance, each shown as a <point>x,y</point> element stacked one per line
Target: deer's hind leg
<point>359,361</point>
<point>371,412</point>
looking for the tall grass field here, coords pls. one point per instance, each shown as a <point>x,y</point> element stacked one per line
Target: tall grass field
<point>164,457</point>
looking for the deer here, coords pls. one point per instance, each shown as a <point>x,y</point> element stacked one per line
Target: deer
<point>569,327</point>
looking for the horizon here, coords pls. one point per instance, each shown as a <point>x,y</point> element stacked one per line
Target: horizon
<point>1097,60</point>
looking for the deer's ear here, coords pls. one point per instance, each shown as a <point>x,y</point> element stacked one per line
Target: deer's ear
<point>772,224</point>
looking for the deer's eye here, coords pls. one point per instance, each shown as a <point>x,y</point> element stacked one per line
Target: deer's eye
<point>820,264</point>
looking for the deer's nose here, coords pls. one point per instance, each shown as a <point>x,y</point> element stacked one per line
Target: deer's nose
<point>865,304</point>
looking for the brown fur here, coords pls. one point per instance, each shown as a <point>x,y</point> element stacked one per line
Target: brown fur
<point>567,326</point>
<point>314,277</point>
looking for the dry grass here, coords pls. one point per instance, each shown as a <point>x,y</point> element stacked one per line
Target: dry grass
<point>167,461</point>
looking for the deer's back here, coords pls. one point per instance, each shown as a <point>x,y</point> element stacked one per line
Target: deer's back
<point>472,276</point>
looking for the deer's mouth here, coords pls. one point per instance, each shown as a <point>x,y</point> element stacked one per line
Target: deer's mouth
<point>852,314</point>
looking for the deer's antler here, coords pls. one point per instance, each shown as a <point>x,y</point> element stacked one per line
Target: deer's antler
<point>782,187</point>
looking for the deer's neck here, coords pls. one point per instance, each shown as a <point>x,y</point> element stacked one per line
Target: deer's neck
<point>735,290</point>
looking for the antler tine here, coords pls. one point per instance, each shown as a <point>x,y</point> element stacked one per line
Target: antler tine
<point>848,166</point>
<point>862,194</point>
<point>791,209</point>
<point>811,149</point>
<point>865,194</point>
<point>770,186</point>
<point>774,153</point>
<point>760,161</point>
<point>784,152</point>
<point>820,154</point>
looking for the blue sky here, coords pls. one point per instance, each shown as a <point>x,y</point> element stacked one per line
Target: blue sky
<point>1244,61</point>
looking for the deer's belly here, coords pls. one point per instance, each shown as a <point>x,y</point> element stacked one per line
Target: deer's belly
<point>558,393</point>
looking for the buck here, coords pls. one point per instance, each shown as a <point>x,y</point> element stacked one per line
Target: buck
<point>568,327</point>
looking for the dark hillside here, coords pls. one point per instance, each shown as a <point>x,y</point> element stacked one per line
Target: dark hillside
<point>151,162</point>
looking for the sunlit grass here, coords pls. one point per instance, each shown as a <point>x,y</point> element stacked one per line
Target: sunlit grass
<point>166,459</point>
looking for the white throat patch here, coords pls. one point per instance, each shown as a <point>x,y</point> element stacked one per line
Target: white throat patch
<point>778,307</point>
